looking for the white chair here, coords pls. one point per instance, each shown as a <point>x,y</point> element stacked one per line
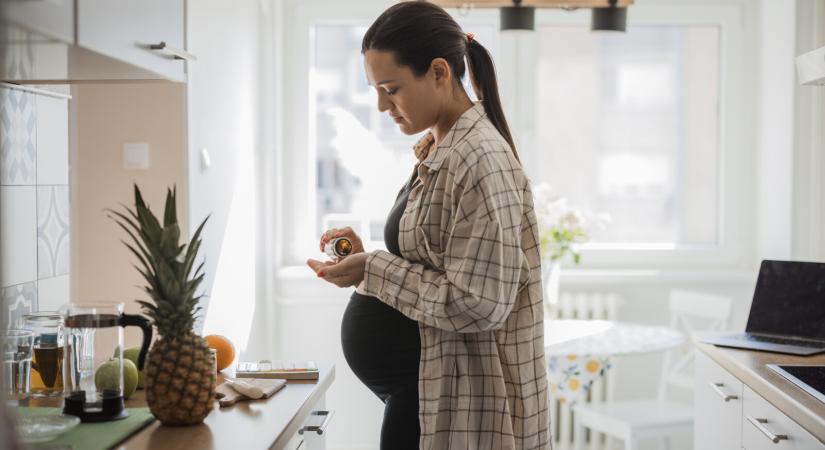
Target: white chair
<point>633,421</point>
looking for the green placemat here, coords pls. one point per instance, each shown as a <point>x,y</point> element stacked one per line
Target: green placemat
<point>93,436</point>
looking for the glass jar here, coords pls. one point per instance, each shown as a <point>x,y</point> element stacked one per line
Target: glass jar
<point>46,375</point>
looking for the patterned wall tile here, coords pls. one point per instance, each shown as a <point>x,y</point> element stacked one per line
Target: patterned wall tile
<point>18,234</point>
<point>19,60</point>
<point>18,300</point>
<point>18,135</point>
<point>52,231</point>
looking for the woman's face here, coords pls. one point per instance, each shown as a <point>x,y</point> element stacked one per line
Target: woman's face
<point>412,102</point>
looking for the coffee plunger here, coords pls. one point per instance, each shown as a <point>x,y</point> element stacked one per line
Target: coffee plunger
<point>93,359</point>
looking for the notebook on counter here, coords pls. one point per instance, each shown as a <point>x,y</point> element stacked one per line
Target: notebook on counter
<point>307,370</point>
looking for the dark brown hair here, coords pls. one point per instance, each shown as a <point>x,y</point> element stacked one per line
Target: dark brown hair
<point>417,32</point>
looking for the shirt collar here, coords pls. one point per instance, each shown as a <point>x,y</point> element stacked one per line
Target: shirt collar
<point>460,128</point>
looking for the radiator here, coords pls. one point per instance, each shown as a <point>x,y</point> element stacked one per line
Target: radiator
<point>581,305</point>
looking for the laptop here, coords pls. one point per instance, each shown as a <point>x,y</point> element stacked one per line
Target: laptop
<point>787,313</point>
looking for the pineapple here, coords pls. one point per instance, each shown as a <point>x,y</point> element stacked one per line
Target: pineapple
<point>179,375</point>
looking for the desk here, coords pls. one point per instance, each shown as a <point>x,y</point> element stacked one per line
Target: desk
<point>262,424</point>
<point>578,351</point>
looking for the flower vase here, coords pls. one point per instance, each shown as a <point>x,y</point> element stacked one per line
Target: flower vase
<point>550,274</point>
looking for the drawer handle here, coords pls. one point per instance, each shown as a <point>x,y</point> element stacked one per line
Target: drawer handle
<point>320,428</point>
<point>174,51</point>
<point>717,387</point>
<point>760,425</point>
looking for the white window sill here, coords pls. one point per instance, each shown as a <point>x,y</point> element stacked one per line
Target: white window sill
<point>298,283</point>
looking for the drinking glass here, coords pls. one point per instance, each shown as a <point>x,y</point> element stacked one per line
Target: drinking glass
<point>46,377</point>
<point>17,358</point>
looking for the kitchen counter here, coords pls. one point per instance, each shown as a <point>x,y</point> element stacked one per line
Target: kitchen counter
<point>749,367</point>
<point>258,424</point>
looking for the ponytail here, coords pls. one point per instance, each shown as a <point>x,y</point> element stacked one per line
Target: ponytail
<point>483,78</point>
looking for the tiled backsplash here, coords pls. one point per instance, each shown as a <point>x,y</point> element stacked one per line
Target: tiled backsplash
<point>34,202</point>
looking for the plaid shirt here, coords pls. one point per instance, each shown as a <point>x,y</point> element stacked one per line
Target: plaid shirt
<point>471,277</point>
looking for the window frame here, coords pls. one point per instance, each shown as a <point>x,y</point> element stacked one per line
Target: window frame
<point>736,107</point>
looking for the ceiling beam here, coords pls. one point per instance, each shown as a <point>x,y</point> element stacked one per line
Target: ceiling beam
<point>560,4</point>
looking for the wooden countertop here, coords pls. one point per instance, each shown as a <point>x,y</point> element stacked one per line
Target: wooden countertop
<point>258,424</point>
<point>749,367</point>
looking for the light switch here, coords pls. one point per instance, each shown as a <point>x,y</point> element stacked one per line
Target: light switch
<point>136,156</point>
<point>206,160</point>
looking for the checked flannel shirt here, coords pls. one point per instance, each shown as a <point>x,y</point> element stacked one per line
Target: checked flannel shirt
<point>471,276</point>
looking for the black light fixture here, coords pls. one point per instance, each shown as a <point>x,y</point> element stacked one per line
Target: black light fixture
<point>611,18</point>
<point>518,17</point>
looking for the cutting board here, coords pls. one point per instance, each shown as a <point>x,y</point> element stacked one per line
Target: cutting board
<point>228,396</point>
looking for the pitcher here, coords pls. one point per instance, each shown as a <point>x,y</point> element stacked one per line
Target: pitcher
<point>93,370</point>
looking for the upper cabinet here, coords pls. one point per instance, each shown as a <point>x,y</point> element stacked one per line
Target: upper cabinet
<point>65,41</point>
<point>148,34</point>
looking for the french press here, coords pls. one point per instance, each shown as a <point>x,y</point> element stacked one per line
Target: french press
<point>93,360</point>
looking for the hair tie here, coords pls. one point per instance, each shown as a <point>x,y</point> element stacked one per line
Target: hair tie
<point>470,37</point>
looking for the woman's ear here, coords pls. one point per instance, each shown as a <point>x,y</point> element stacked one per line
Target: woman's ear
<point>440,70</point>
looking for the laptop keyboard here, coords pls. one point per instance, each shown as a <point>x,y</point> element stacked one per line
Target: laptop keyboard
<point>783,341</point>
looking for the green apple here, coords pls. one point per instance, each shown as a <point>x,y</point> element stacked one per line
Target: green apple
<point>132,355</point>
<point>107,377</point>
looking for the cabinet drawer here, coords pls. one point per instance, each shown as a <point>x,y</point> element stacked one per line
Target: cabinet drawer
<point>718,399</point>
<point>126,30</point>
<point>765,427</point>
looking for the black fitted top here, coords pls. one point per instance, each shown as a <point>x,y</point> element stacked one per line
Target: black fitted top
<point>381,345</point>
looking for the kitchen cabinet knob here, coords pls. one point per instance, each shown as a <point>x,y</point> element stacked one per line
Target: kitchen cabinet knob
<point>717,388</point>
<point>759,423</point>
<point>177,53</point>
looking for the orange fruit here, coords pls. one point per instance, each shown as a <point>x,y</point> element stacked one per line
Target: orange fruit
<point>224,350</point>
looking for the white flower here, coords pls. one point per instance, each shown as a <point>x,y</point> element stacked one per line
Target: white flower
<point>560,226</point>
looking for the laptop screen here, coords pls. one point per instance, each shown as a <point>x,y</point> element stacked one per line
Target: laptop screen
<point>789,300</point>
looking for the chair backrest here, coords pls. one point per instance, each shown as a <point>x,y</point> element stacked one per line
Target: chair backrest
<point>691,313</point>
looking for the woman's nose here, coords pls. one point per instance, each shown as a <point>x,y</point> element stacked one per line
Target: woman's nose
<point>383,102</point>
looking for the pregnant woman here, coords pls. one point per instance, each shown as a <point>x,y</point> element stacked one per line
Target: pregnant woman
<point>446,325</point>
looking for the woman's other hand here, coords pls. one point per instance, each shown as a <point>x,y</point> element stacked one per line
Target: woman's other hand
<point>347,272</point>
<point>349,233</point>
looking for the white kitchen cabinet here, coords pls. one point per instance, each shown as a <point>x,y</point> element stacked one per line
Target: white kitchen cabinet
<point>718,397</point>
<point>148,34</point>
<point>64,41</point>
<point>53,19</point>
<point>764,427</point>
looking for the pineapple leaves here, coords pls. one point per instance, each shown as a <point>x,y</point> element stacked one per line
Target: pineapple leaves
<point>170,216</point>
<point>165,263</point>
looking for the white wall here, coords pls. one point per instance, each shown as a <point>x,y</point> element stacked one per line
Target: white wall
<point>104,117</point>
<point>809,163</point>
<point>223,105</point>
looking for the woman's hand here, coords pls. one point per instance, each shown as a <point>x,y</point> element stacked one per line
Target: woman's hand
<point>357,245</point>
<point>347,272</point>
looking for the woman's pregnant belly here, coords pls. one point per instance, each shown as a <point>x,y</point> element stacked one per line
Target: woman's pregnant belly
<point>381,345</point>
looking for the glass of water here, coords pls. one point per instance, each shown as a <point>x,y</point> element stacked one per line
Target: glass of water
<point>17,359</point>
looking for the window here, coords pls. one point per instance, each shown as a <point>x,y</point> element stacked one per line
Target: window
<point>362,158</point>
<point>625,124</point>
<point>629,127</point>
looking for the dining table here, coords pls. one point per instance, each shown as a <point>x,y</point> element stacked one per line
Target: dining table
<point>579,352</point>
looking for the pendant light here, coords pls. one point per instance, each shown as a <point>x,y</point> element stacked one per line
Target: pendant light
<point>517,17</point>
<point>611,18</point>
